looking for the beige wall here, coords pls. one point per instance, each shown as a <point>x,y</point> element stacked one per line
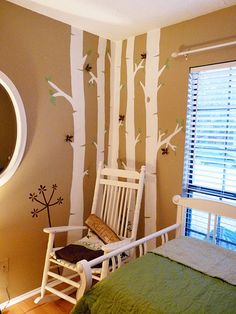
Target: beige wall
<point>34,49</point>
<point>172,98</point>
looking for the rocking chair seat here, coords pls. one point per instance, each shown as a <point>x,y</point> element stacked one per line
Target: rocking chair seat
<point>90,242</point>
<point>74,253</point>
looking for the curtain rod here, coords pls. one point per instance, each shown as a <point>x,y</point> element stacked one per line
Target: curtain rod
<point>188,52</point>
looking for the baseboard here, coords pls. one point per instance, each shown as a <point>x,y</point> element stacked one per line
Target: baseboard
<point>18,299</point>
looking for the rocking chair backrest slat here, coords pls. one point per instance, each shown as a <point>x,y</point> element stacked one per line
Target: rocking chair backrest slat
<point>120,209</point>
<point>112,208</point>
<point>120,192</point>
<point>128,208</point>
<point>122,221</point>
<point>107,196</point>
<point>127,174</point>
<point>109,207</point>
<point>119,183</point>
<point>116,207</point>
<point>103,201</point>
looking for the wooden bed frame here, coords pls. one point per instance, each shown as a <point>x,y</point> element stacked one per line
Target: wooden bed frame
<point>215,209</point>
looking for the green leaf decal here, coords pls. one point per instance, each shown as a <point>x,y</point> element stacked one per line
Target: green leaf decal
<point>52,97</point>
<point>167,63</point>
<point>48,78</point>
<point>89,52</point>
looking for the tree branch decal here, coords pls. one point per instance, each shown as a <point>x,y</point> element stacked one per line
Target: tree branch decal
<point>138,67</point>
<point>167,141</point>
<point>60,93</point>
<point>161,71</point>
<point>83,62</point>
<point>124,165</point>
<point>109,57</point>
<point>95,144</point>
<point>86,173</point>
<point>137,140</point>
<point>93,79</point>
<point>143,87</point>
<point>147,98</point>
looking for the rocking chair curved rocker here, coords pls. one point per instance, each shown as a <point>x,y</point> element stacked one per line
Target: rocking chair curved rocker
<point>115,214</point>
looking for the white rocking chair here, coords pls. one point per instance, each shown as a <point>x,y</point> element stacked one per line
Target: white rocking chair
<point>117,202</point>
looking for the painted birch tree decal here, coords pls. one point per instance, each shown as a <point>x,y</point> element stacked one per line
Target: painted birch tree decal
<point>115,88</point>
<point>100,81</point>
<point>77,101</point>
<point>132,70</point>
<point>155,139</point>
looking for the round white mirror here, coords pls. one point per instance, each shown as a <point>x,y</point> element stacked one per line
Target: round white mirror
<point>13,128</point>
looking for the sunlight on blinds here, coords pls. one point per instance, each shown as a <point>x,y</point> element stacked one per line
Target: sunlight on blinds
<point>210,148</point>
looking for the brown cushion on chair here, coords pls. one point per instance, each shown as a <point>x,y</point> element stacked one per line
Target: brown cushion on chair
<point>74,253</point>
<point>102,230</point>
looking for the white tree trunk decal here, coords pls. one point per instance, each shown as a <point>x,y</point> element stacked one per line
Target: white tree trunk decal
<point>100,81</point>
<point>150,94</point>
<point>132,70</point>
<point>77,102</point>
<point>154,139</point>
<point>115,87</point>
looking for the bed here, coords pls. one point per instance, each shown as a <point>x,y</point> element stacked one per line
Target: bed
<point>183,275</point>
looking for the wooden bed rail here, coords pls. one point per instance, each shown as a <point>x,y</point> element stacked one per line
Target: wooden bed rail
<point>84,267</point>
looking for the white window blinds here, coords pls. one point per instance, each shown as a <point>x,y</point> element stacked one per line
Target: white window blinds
<point>210,149</point>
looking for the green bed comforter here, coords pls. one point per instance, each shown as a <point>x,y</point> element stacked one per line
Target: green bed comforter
<point>155,284</point>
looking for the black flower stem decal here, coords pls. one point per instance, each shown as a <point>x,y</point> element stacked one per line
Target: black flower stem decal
<point>46,203</point>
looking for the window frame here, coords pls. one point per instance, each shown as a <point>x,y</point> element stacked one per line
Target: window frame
<point>189,189</point>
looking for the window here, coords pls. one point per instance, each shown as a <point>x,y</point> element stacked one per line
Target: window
<point>210,147</point>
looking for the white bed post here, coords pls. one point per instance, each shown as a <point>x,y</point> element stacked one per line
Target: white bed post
<point>180,219</point>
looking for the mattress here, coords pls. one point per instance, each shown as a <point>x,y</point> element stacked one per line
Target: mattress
<point>155,283</point>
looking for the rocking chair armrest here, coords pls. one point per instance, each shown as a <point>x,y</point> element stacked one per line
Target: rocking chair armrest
<point>116,245</point>
<point>63,229</point>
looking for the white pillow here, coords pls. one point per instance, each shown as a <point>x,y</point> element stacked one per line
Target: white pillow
<point>91,241</point>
